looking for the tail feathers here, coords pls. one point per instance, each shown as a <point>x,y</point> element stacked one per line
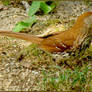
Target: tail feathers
<point>23,36</point>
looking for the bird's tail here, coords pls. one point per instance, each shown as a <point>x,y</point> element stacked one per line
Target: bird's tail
<point>23,36</point>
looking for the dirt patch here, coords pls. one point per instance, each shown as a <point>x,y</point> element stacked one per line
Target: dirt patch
<point>25,74</point>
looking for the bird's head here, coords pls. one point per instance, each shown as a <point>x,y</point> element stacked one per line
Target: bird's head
<point>85,18</point>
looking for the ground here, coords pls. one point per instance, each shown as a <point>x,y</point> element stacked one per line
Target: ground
<point>27,71</point>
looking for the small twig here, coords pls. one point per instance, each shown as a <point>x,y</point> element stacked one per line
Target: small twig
<point>26,5</point>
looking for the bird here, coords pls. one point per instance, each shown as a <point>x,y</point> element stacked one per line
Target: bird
<point>62,41</point>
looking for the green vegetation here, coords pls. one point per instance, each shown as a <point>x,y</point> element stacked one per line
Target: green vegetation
<point>33,51</point>
<point>55,77</point>
<point>80,79</point>
<point>23,25</point>
<point>34,8</point>
<point>6,2</point>
<point>58,78</point>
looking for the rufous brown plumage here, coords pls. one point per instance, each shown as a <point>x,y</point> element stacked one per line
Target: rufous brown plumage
<point>62,41</point>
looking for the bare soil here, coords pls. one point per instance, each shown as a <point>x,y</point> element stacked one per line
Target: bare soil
<point>25,74</point>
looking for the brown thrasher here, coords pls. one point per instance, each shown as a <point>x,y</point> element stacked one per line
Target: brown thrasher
<point>62,41</point>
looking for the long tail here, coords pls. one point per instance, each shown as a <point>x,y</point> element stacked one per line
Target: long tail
<point>23,36</point>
